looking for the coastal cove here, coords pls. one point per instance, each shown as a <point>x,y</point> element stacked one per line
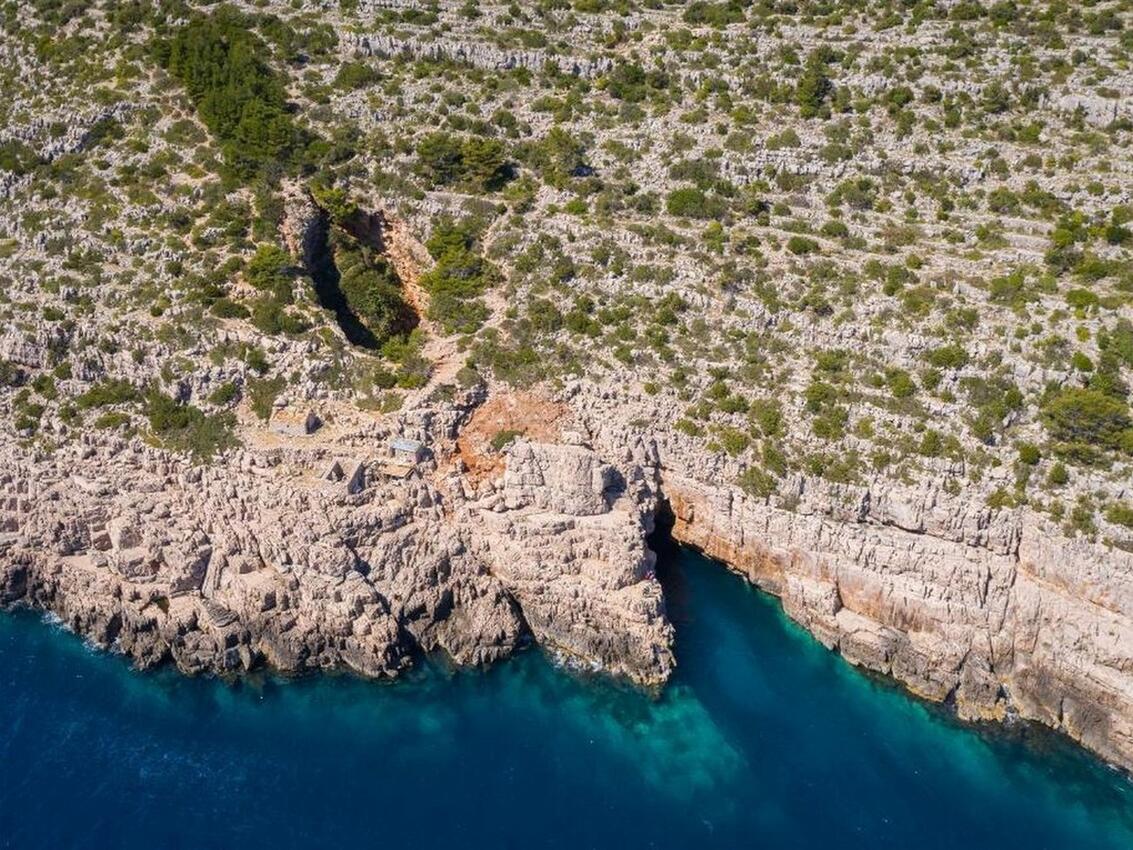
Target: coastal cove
<point>763,739</point>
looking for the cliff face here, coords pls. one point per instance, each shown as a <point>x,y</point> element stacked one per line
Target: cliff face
<point>1029,626</point>
<point>268,561</point>
<point>265,560</point>
<point>994,611</point>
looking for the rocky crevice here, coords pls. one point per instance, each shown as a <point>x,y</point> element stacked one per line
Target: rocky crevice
<point>318,259</point>
<point>954,622</point>
<point>308,231</point>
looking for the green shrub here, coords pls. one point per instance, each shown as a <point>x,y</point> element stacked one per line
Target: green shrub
<point>900,382</point>
<point>558,156</point>
<point>1120,513</point>
<point>18,157</point>
<point>460,274</point>
<point>1002,498</point>
<point>687,426</point>
<point>931,444</point>
<point>767,414</point>
<point>503,437</point>
<point>1058,475</point>
<point>184,428</point>
<point>1082,518</point>
<point>225,394</point>
<point>1081,299</point>
<point>718,14</point>
<point>951,356</point>
<point>272,318</point>
<point>733,440</point>
<point>1085,416</point>
<point>256,360</point>
<point>632,83</point>
<point>11,375</point>
<point>818,395</point>
<point>112,420</point>
<point>991,399</point>
<point>110,391</point>
<point>226,308</point>
<point>267,271</point>
<point>335,201</point>
<point>355,75</point>
<point>691,202</point>
<point>262,393</point>
<point>802,245</point>
<point>756,482</point>
<point>835,229</point>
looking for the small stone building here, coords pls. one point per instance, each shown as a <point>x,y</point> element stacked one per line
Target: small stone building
<point>294,422</point>
<point>351,474</point>
<point>406,451</point>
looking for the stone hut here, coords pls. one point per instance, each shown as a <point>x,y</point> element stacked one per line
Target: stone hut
<point>346,472</point>
<point>406,451</point>
<point>294,422</point>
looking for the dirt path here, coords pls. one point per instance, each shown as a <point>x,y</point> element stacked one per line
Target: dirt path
<point>410,259</point>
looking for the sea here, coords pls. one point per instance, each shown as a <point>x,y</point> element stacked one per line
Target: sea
<point>764,739</point>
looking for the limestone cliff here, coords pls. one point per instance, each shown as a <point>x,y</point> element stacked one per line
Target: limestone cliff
<point>267,561</point>
<point>993,611</point>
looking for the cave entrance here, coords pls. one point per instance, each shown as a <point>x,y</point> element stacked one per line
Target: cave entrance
<point>670,572</point>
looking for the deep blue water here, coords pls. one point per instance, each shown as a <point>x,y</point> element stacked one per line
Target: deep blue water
<point>765,740</point>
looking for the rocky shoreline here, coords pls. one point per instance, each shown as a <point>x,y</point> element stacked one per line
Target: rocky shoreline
<point>222,569</point>
<point>260,561</point>
<point>994,612</point>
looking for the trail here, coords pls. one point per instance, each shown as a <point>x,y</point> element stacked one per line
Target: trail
<point>410,259</point>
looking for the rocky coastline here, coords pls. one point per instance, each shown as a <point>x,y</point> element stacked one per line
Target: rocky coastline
<point>261,561</point>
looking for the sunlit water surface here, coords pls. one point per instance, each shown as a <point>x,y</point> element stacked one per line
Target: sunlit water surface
<point>763,740</point>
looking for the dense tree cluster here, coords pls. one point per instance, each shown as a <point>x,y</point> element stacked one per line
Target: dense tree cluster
<point>371,289</point>
<point>1084,420</point>
<point>460,275</point>
<point>445,159</point>
<point>238,96</point>
<point>17,157</point>
<point>814,85</point>
<point>558,156</point>
<point>269,271</point>
<point>632,83</point>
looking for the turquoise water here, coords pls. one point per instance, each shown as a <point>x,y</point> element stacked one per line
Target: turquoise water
<point>765,740</point>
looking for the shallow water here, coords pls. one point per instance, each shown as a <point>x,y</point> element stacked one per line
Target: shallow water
<point>764,740</point>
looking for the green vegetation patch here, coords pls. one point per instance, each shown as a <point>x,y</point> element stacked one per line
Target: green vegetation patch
<point>185,428</point>
<point>240,98</point>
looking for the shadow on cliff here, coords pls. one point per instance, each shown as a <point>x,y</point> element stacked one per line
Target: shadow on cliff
<point>328,289</point>
<point>669,572</point>
<point>323,263</point>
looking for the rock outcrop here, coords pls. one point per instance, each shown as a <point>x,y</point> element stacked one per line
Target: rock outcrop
<point>993,611</point>
<point>222,569</point>
<point>565,533</point>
